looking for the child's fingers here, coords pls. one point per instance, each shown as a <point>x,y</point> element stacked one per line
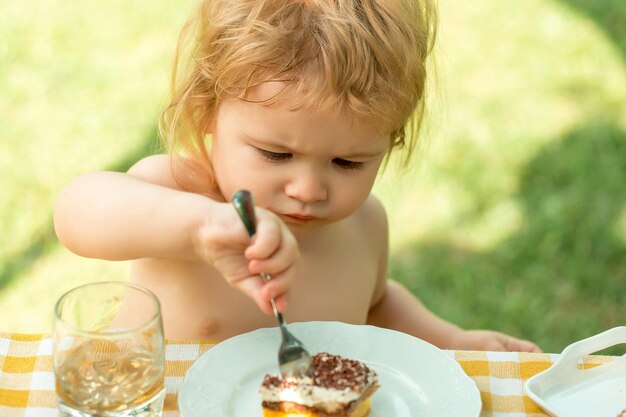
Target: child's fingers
<point>494,345</point>
<point>266,240</point>
<point>274,250</point>
<point>253,287</point>
<point>272,235</point>
<point>518,345</point>
<point>281,302</point>
<point>513,344</point>
<point>279,258</point>
<point>282,259</point>
<point>265,306</point>
<point>277,288</point>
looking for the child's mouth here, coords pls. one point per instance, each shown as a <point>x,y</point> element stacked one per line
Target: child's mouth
<point>299,217</point>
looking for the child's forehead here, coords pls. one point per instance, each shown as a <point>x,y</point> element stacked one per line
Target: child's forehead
<point>272,109</point>
<point>287,95</point>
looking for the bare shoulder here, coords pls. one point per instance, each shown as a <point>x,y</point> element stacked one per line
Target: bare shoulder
<point>176,173</point>
<point>156,169</point>
<point>372,215</point>
<point>370,221</point>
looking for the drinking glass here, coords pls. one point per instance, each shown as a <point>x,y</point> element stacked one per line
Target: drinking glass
<point>109,351</point>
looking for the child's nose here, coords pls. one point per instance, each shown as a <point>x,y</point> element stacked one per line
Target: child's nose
<point>307,187</point>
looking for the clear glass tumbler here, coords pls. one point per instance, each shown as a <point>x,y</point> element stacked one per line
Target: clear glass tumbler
<point>109,357</point>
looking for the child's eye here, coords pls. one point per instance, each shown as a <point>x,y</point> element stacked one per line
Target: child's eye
<point>274,156</point>
<point>345,164</point>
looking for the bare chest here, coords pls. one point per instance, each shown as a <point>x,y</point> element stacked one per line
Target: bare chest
<point>335,282</point>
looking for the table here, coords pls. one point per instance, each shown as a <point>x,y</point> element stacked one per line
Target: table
<point>27,382</point>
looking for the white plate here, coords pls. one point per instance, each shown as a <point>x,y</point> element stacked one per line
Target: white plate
<point>416,378</point>
<point>564,390</point>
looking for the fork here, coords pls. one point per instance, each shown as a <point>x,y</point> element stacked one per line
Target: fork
<point>293,358</point>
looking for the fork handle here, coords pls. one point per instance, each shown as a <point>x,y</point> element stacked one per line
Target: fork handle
<point>242,200</point>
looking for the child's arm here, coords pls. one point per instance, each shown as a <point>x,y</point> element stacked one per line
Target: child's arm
<point>398,309</point>
<point>117,216</point>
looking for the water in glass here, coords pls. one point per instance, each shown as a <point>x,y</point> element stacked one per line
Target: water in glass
<point>106,362</point>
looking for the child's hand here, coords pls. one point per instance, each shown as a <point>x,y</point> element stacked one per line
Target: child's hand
<point>493,341</point>
<point>222,241</point>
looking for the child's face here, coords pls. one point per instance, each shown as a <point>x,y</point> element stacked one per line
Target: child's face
<point>310,168</point>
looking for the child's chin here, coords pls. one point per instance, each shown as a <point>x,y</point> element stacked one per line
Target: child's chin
<point>299,228</point>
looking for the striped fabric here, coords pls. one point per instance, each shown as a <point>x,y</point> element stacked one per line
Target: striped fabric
<point>27,381</point>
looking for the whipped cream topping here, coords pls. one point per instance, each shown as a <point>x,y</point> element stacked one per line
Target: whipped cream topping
<point>332,384</point>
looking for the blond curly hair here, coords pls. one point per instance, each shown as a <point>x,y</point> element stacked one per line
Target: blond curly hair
<point>363,58</point>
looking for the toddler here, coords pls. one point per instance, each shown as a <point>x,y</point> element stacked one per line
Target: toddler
<point>299,102</point>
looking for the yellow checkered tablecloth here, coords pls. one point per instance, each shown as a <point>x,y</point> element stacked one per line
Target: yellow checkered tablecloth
<point>27,382</point>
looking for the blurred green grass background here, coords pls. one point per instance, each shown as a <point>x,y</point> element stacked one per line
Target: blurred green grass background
<point>513,216</point>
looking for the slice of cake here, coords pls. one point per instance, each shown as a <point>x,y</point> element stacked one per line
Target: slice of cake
<point>334,387</point>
